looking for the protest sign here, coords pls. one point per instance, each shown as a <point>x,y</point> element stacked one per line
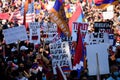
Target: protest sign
<point>83,30</point>
<point>60,55</point>
<point>34,32</point>
<point>56,39</point>
<point>97,38</point>
<point>104,27</point>
<point>102,55</point>
<point>108,15</point>
<point>49,31</point>
<point>110,8</point>
<point>15,34</point>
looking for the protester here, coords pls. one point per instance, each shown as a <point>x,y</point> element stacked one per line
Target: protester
<point>29,62</point>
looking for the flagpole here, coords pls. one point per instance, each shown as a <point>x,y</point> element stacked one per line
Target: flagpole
<point>18,46</point>
<point>98,69</point>
<point>3,50</point>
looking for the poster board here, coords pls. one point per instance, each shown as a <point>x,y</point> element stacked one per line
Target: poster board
<point>56,39</point>
<point>49,30</point>
<point>15,34</point>
<point>83,30</point>
<point>108,15</point>
<point>101,50</point>
<point>60,55</point>
<point>97,38</point>
<point>110,8</point>
<point>34,32</point>
<point>104,27</point>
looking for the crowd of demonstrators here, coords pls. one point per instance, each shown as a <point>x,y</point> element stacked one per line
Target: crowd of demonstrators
<point>92,15</point>
<point>28,62</point>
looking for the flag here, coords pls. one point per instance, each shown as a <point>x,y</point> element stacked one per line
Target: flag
<point>101,4</point>
<point>79,52</point>
<point>58,18</point>
<point>26,13</point>
<point>60,74</point>
<point>77,16</point>
<point>4,16</point>
<point>105,3</point>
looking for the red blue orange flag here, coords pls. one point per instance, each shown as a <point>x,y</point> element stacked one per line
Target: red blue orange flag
<point>58,18</point>
<point>103,3</point>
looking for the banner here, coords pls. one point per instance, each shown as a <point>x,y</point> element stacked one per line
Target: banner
<point>34,32</point>
<point>15,34</point>
<point>58,19</point>
<point>60,55</point>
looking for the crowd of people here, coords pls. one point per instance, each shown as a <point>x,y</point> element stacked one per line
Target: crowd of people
<point>24,61</point>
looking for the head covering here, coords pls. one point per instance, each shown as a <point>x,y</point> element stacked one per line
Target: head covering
<point>35,65</point>
<point>13,49</point>
<point>23,48</point>
<point>110,78</point>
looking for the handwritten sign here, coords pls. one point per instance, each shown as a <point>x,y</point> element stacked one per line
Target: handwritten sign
<point>83,30</point>
<point>97,38</point>
<point>49,30</point>
<point>104,27</point>
<point>12,35</point>
<point>34,32</point>
<point>60,55</point>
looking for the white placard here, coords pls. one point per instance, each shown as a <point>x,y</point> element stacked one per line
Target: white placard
<point>60,55</point>
<point>101,50</point>
<point>34,32</point>
<point>15,34</point>
<point>96,38</point>
<point>110,8</point>
<point>56,39</point>
<point>50,30</point>
<point>108,15</point>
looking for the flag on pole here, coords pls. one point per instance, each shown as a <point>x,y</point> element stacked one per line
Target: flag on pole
<point>99,2</point>
<point>58,18</point>
<point>105,3</point>
<point>79,52</point>
<point>77,16</point>
<point>26,13</point>
<point>102,3</point>
<point>60,74</point>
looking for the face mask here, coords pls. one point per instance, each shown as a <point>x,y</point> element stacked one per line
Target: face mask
<point>116,73</point>
<point>15,60</point>
<point>44,78</point>
<point>118,59</point>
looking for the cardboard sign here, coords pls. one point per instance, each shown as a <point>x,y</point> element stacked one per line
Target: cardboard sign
<point>83,30</point>
<point>49,30</point>
<point>97,38</point>
<point>102,65</point>
<point>60,55</point>
<point>15,34</point>
<point>108,15</point>
<point>34,32</point>
<point>104,27</point>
